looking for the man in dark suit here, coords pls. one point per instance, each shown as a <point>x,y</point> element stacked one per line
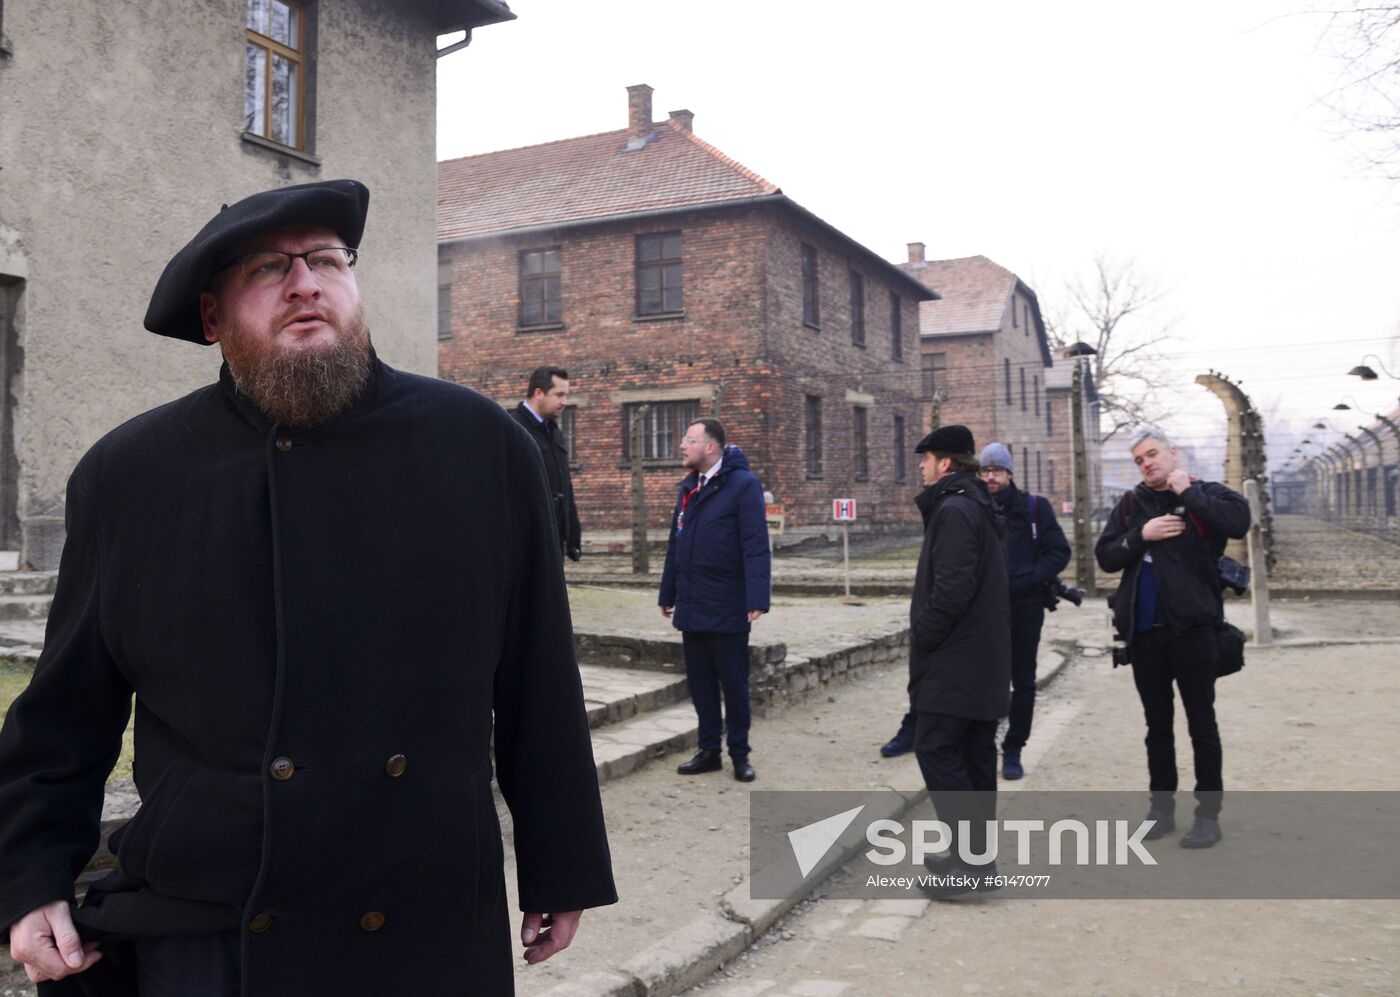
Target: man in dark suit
<point>546,396</point>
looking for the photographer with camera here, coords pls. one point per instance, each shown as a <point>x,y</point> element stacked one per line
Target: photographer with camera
<point>1036,553</point>
<point>1167,536</point>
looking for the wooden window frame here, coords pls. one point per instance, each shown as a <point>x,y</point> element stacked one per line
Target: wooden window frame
<point>537,285</point>
<point>857,308</point>
<point>676,412</point>
<point>660,264</point>
<point>812,435</point>
<point>896,326</point>
<point>901,460</point>
<point>444,297</point>
<point>811,287</point>
<point>931,365</point>
<point>860,443</point>
<point>297,57</point>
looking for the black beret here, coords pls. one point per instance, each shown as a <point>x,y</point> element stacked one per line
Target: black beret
<point>339,205</point>
<point>948,439</point>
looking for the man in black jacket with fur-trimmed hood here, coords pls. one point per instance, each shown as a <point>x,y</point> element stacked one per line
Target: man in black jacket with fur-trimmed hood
<point>960,643</point>
<point>1166,536</point>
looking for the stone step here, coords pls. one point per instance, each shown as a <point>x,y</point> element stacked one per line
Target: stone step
<point>24,607</point>
<point>613,695</point>
<point>28,582</point>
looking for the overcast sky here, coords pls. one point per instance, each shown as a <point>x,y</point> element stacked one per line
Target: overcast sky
<point>1195,140</point>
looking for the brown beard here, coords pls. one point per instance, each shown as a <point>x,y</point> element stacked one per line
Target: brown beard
<point>302,388</point>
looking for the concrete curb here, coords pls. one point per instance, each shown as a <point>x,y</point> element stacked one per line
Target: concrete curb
<point>690,954</point>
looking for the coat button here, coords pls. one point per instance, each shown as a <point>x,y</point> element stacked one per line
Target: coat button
<point>260,923</point>
<point>284,444</point>
<point>282,768</point>
<point>372,921</point>
<point>395,765</point>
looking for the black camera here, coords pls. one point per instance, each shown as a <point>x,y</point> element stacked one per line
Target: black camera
<point>1122,654</point>
<point>1056,590</point>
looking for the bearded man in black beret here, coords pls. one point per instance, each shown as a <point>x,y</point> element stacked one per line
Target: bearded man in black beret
<point>332,588</point>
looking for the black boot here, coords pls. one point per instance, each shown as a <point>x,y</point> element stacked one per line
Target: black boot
<point>705,760</point>
<point>1166,824</point>
<point>1205,831</point>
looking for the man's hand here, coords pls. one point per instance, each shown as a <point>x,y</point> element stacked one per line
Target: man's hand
<point>1163,528</point>
<point>666,611</point>
<point>754,614</point>
<point>575,553</point>
<point>1178,481</point>
<point>46,942</point>
<point>545,934</point>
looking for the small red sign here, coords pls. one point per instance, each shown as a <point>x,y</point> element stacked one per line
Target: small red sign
<point>843,510</point>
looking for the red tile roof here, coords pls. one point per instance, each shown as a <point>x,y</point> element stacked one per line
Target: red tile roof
<point>586,178</point>
<point>975,295</point>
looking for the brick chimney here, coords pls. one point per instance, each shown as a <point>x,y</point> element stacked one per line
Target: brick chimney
<point>916,255</point>
<point>638,111</point>
<point>683,120</point>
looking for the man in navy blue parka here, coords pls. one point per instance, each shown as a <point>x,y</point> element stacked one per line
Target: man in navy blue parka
<point>715,584</point>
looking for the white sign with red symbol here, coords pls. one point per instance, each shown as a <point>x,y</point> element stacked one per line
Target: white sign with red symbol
<point>843,510</point>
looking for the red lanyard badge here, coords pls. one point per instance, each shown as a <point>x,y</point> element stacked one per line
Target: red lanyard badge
<point>685,501</point>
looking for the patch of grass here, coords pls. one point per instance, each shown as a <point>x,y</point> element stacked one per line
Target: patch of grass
<point>14,679</point>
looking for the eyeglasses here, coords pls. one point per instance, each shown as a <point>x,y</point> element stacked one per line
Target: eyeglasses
<point>265,268</point>
<point>993,470</point>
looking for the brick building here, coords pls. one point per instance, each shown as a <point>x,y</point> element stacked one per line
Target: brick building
<point>984,363</point>
<point>660,272</point>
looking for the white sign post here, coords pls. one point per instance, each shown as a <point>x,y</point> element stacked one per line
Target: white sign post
<point>843,510</point>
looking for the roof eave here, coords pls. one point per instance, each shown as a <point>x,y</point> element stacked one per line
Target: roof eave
<point>463,15</point>
<point>921,292</point>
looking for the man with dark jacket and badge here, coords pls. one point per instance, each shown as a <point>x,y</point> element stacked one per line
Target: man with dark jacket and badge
<point>959,647</point>
<point>1167,537</point>
<point>333,588</point>
<point>546,395</point>
<point>1036,553</point>
<point>714,586</point>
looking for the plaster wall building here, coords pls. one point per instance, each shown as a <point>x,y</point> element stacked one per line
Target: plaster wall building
<point>123,128</point>
<point>658,271</point>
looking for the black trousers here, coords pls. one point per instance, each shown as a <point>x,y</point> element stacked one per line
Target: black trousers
<point>1188,659</point>
<point>958,758</point>
<point>719,663</point>
<point>1026,623</point>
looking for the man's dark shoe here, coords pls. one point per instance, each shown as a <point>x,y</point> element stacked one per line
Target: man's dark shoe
<point>953,879</point>
<point>901,744</point>
<point>1011,766</point>
<point>1205,831</point>
<point>1166,824</point>
<point>705,760</point>
<point>743,771</point>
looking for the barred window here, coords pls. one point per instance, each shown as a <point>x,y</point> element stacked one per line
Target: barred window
<point>860,443</point>
<point>568,421</point>
<point>935,373</point>
<point>540,302</point>
<point>811,288</point>
<point>896,328</point>
<point>274,71</point>
<point>662,428</point>
<point>900,458</point>
<point>812,412</point>
<point>857,309</point>
<point>444,297</point>
<point>659,290</point>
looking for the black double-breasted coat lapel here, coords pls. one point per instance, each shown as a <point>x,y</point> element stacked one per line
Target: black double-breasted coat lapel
<point>388,585</point>
<point>550,440</point>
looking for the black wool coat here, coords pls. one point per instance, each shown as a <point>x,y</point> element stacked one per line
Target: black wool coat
<point>556,466</point>
<point>960,613</point>
<point>320,628</point>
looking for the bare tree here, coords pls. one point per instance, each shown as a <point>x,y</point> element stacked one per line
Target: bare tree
<point>1116,311</point>
<point>1365,39</point>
